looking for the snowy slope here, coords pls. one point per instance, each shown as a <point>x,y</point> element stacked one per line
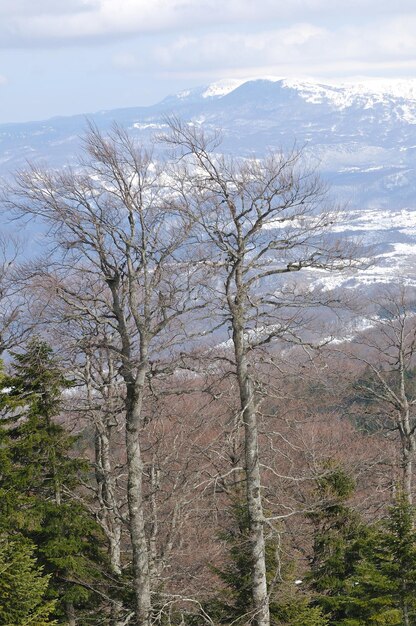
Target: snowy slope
<point>361,135</point>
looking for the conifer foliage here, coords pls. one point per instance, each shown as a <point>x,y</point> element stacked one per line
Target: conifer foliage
<point>384,581</point>
<point>362,573</point>
<point>337,528</point>
<point>23,586</point>
<point>40,476</point>
<point>234,605</point>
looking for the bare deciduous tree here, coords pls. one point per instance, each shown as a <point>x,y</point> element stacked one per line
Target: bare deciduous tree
<point>388,352</point>
<point>14,324</point>
<point>125,231</point>
<point>118,231</point>
<point>261,220</point>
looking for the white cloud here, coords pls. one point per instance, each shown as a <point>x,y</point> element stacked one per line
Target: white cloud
<point>225,50</point>
<point>18,8</point>
<point>301,47</point>
<point>49,22</point>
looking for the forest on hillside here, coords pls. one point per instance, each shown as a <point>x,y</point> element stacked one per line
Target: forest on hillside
<point>192,432</point>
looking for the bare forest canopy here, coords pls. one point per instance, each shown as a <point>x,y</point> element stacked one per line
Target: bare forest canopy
<point>195,428</point>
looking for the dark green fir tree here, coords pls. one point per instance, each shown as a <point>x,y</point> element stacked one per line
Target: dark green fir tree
<point>288,605</point>
<point>23,586</point>
<point>362,574</point>
<point>41,475</point>
<point>337,535</point>
<point>383,585</point>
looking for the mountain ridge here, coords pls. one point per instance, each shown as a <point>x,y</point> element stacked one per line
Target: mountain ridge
<point>362,138</point>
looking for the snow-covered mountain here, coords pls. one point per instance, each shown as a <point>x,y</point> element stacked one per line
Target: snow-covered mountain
<point>361,135</point>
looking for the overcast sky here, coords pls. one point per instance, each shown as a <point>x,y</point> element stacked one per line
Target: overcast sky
<point>59,57</point>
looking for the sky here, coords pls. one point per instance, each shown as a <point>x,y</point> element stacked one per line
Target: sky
<point>61,57</point>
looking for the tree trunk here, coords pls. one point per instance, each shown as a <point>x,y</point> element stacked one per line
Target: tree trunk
<point>407,472</point>
<point>115,563</point>
<point>109,514</point>
<point>70,614</point>
<point>405,610</point>
<point>253,481</point>
<point>141,575</point>
<point>405,427</point>
<point>135,385</point>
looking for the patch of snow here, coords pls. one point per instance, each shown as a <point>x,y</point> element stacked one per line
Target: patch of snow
<point>222,87</point>
<point>402,249</point>
<point>376,220</point>
<point>374,168</point>
<point>184,94</point>
<point>408,114</point>
<point>145,126</point>
<point>366,93</point>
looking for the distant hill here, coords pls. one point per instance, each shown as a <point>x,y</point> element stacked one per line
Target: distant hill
<point>362,137</point>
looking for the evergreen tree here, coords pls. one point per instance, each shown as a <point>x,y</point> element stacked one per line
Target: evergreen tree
<point>235,603</point>
<point>338,532</point>
<point>383,585</point>
<point>288,605</point>
<point>42,446</point>
<point>362,575</point>
<point>23,586</point>
<point>40,475</point>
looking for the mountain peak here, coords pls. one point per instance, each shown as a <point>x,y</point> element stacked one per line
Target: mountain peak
<point>365,92</point>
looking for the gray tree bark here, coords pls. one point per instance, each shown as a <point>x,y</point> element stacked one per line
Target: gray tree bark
<point>141,576</point>
<point>253,478</point>
<point>259,219</point>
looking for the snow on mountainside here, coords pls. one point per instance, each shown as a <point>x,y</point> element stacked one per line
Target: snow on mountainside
<point>361,136</point>
<point>365,93</point>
